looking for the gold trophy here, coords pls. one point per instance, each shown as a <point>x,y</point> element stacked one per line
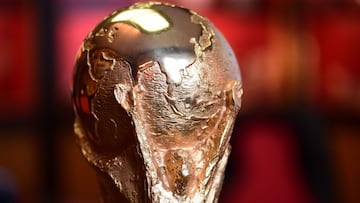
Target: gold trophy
<point>156,91</point>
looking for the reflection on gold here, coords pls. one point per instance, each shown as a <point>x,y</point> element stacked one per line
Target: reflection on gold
<point>147,19</point>
<point>173,66</point>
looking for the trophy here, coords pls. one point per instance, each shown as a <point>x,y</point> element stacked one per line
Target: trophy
<point>156,91</point>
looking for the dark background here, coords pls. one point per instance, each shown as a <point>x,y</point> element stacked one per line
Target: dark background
<point>297,138</point>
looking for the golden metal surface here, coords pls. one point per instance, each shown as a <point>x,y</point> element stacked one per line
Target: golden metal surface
<point>156,91</point>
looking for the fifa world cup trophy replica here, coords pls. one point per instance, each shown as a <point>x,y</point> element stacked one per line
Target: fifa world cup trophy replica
<point>156,91</point>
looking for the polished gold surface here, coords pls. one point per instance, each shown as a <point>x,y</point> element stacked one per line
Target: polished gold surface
<point>156,91</point>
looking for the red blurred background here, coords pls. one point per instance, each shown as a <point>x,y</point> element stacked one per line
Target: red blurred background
<point>297,137</point>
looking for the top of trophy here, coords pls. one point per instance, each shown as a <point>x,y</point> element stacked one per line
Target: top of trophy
<point>190,52</point>
<point>152,31</point>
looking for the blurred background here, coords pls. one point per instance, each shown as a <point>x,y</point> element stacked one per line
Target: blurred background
<point>297,138</point>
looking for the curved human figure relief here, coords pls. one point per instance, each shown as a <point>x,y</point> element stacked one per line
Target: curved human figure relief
<point>156,92</point>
